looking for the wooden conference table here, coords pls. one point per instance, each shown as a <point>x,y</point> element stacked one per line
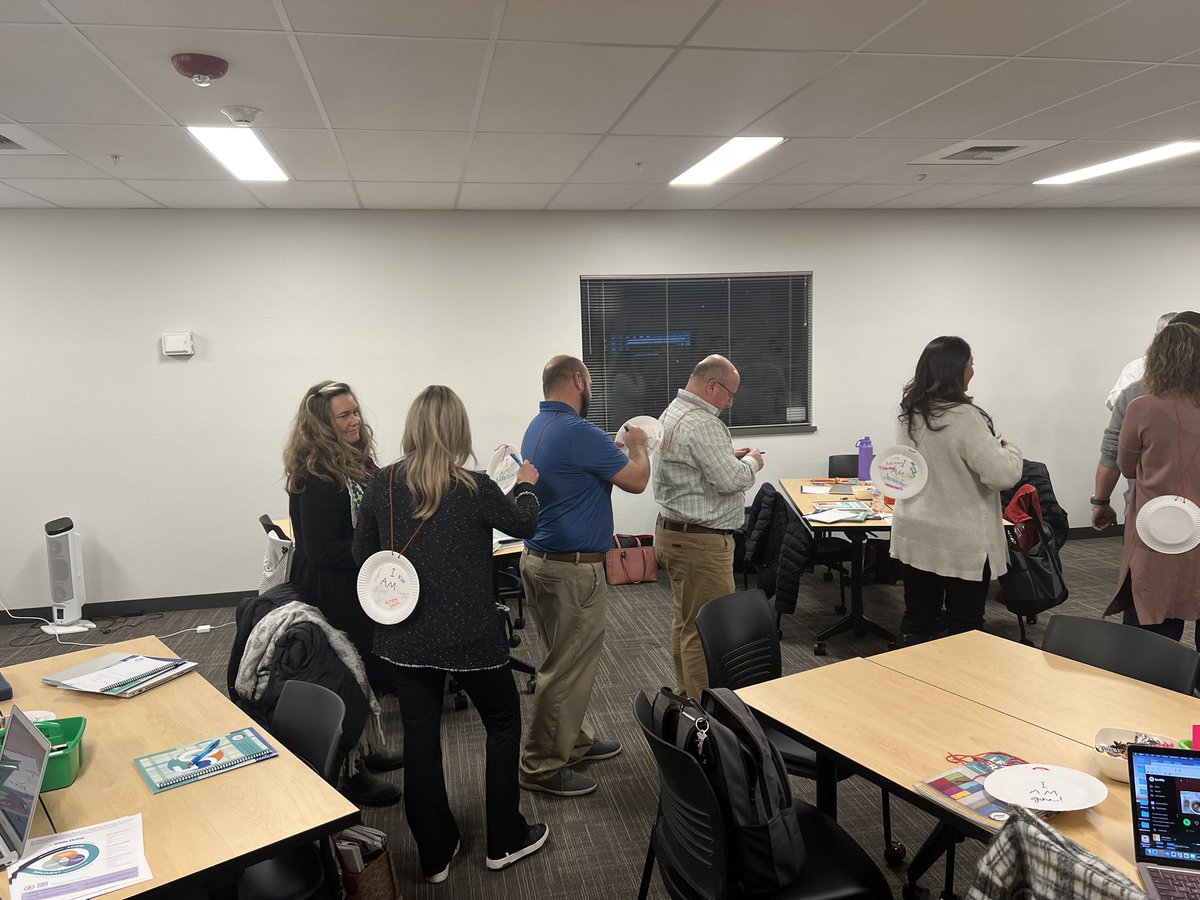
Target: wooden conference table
<point>894,717</point>
<point>200,834</point>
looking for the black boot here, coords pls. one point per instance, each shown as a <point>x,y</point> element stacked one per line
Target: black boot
<point>364,789</point>
<point>384,760</point>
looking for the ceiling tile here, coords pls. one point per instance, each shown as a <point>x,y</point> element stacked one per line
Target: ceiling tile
<point>985,27</point>
<point>1181,124</point>
<point>720,92</point>
<point>1043,164</point>
<point>263,72</point>
<point>799,24</point>
<point>690,197</point>
<point>505,196</point>
<point>1094,195</point>
<point>1018,195</point>
<point>47,74</point>
<point>939,195</point>
<point>16,165</point>
<point>308,154</point>
<point>183,13</point>
<point>1190,202</point>
<point>197,194</point>
<point>610,22</point>
<point>404,155</point>
<point>777,196</point>
<point>1158,196</point>
<point>1123,33</point>
<point>11,198</point>
<point>1152,91</point>
<point>569,89</point>
<point>412,18</point>
<point>599,196</point>
<point>407,195</point>
<point>624,159</point>
<point>527,157</point>
<point>399,83</point>
<point>146,151</point>
<point>864,91</point>
<point>304,194</point>
<point>859,196</point>
<point>844,162</point>
<point>83,192</point>
<point>25,11</point>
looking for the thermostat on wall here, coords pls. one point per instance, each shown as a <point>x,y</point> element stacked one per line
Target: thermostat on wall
<point>178,343</point>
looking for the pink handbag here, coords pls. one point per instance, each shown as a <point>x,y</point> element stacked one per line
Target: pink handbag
<point>632,560</point>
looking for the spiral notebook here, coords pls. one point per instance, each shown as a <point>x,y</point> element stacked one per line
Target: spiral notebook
<point>203,759</point>
<point>120,674</point>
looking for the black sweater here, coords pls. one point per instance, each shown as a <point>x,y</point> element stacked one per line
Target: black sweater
<point>456,625</point>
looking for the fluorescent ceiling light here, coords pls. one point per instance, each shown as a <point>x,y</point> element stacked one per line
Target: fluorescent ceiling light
<point>734,153</point>
<point>1170,151</point>
<point>240,151</point>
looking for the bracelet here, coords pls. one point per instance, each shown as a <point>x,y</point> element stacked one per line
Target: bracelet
<point>1095,502</point>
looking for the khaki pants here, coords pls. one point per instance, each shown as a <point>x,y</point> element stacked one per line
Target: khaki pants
<point>566,602</point>
<point>700,567</point>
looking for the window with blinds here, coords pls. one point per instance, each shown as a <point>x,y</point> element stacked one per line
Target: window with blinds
<point>642,336</point>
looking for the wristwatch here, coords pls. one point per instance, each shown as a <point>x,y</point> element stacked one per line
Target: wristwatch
<point>1095,502</point>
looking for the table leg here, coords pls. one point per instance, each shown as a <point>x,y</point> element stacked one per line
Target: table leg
<point>827,784</point>
<point>855,621</point>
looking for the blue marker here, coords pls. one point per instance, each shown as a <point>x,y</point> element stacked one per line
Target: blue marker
<point>515,459</point>
<point>203,753</point>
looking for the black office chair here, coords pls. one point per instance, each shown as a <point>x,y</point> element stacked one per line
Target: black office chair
<point>741,648</point>
<point>308,720</point>
<point>843,465</point>
<point>1125,650</point>
<point>690,842</point>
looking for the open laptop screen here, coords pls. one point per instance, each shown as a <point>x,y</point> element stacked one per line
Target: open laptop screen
<point>1165,793</point>
<point>23,761</point>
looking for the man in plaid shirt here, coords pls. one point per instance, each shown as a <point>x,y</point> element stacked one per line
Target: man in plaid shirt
<point>700,485</point>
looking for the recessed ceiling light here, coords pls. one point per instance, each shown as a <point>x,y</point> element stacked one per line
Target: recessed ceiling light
<point>734,153</point>
<point>1158,154</point>
<point>240,151</point>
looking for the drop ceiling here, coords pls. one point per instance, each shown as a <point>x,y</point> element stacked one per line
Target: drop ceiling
<point>597,104</point>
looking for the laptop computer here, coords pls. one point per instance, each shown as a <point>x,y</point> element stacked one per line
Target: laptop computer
<point>23,759</point>
<point>1165,797</point>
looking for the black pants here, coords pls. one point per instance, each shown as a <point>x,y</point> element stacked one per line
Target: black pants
<point>421,693</point>
<point>934,602</point>
<point>1172,628</point>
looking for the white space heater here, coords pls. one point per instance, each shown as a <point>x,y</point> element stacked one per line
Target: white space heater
<point>64,552</point>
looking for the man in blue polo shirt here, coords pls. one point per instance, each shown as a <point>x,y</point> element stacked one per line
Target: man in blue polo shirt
<point>563,571</point>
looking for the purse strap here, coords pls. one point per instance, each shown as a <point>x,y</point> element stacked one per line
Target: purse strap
<point>392,516</point>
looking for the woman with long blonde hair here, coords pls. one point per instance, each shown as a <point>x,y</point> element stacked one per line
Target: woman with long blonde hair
<point>1159,446</point>
<point>439,515</point>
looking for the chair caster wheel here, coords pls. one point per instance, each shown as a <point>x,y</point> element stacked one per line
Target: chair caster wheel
<point>519,623</point>
<point>531,686</point>
<point>892,645</point>
<point>819,648</point>
<point>912,891</point>
<point>1031,620</point>
<point>828,576</point>
<point>894,853</point>
<point>840,609</point>
<point>460,702</point>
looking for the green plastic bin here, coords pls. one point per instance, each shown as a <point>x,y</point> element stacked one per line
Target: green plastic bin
<point>64,764</point>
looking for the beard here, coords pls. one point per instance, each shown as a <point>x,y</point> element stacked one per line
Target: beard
<point>585,405</point>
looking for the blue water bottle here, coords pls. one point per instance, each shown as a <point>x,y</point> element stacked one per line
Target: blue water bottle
<point>865,455</point>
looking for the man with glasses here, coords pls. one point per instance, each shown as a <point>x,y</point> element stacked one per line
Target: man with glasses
<point>700,485</point>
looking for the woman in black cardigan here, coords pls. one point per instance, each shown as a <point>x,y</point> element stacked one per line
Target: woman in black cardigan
<point>440,517</point>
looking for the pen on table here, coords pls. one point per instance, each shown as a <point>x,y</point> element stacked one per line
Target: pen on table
<point>203,753</point>
<point>58,747</point>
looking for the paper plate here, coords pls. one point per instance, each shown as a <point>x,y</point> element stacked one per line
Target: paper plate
<point>388,587</point>
<point>650,425</point>
<point>503,468</point>
<point>1169,524</point>
<point>1054,788</point>
<point>899,472</point>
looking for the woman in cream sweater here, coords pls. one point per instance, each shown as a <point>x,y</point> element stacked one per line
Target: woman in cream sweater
<point>950,536</point>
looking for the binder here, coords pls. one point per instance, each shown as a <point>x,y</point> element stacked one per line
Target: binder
<point>203,759</point>
<point>120,674</point>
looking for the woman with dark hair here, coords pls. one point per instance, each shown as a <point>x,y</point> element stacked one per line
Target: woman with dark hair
<point>439,515</point>
<point>328,458</point>
<point>1159,446</point>
<point>950,536</point>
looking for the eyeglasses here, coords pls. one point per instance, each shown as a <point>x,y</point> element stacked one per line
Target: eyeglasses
<point>732,394</point>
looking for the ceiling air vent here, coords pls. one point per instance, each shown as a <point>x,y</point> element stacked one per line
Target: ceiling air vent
<point>973,153</point>
<point>17,140</point>
<point>8,144</point>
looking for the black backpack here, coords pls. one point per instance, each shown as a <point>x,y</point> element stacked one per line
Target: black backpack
<point>750,781</point>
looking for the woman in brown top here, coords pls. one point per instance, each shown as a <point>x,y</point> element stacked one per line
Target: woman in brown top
<point>1160,447</point>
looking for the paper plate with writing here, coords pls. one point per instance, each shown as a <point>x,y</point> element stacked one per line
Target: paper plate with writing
<point>503,468</point>
<point>1169,524</point>
<point>899,472</point>
<point>648,424</point>
<point>388,587</point>
<point>1054,788</point>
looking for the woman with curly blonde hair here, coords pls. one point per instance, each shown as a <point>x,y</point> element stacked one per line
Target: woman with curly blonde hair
<point>1160,447</point>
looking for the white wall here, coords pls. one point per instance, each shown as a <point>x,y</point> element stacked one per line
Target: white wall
<point>166,464</point>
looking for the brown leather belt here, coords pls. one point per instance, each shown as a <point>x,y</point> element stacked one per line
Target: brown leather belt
<point>576,558</point>
<point>689,528</point>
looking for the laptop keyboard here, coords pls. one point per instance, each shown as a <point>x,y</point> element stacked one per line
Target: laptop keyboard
<point>1173,884</point>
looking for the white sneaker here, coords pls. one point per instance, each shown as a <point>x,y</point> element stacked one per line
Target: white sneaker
<point>534,840</point>
<point>445,873</point>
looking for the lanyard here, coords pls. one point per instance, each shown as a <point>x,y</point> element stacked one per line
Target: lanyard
<point>538,442</point>
<point>392,516</point>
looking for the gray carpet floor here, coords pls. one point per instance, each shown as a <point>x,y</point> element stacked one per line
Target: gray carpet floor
<point>597,843</point>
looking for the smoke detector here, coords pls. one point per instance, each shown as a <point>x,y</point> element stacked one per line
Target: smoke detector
<point>200,67</point>
<point>241,116</point>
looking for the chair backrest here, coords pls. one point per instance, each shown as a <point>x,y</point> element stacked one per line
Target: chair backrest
<point>1124,649</point>
<point>843,465</point>
<point>308,719</point>
<point>689,835</point>
<point>741,644</point>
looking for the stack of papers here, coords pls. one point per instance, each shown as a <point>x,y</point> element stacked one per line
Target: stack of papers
<point>120,674</point>
<point>828,516</point>
<point>82,863</point>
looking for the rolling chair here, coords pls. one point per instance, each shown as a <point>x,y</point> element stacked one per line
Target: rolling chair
<point>308,720</point>
<point>741,648</point>
<point>1125,650</point>
<point>690,842</point>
